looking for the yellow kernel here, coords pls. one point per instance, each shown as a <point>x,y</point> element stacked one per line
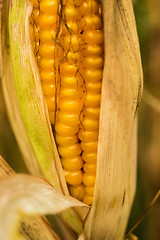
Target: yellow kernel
<point>48,76</point>
<point>48,89</point>
<point>89,147</point>
<point>77,192</point>
<point>89,191</point>
<point>70,13</point>
<point>50,103</point>
<point>92,50</point>
<point>72,43</point>
<point>89,7</point>
<point>91,75</point>
<point>47,64</point>
<point>73,57</point>
<point>90,168</point>
<point>70,105</point>
<point>68,69</point>
<point>47,36</point>
<point>89,158</point>
<point>69,151</point>
<point>92,100</point>
<point>49,6</point>
<point>48,22</point>
<point>68,119</point>
<point>87,136</point>
<point>70,27</point>
<point>73,178</point>
<point>69,82</point>
<point>91,112</point>
<point>93,37</point>
<point>72,164</point>
<point>51,51</point>
<point>52,117</point>
<point>63,140</point>
<point>71,92</point>
<point>65,130</point>
<point>90,124</point>
<point>87,199</point>
<point>90,22</point>
<point>89,180</point>
<point>94,87</point>
<point>93,62</point>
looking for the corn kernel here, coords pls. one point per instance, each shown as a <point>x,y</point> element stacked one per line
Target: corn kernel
<point>63,140</point>
<point>89,147</point>
<point>65,130</point>
<point>87,199</point>
<point>74,178</point>
<point>69,151</point>
<point>87,136</point>
<point>77,192</point>
<point>49,6</point>
<point>89,180</point>
<point>72,164</point>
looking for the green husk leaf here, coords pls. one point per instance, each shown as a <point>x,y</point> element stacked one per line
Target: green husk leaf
<point>117,155</point>
<point>25,102</point>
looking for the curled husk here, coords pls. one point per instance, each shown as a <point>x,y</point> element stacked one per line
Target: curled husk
<point>121,94</point>
<point>22,198</point>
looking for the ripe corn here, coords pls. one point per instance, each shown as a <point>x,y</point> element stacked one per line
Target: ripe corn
<point>67,40</point>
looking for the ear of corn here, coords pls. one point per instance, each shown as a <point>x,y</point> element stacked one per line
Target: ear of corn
<point>121,92</point>
<point>71,67</point>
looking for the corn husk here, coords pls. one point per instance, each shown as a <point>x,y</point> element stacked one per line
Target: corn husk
<point>22,195</point>
<point>121,94</point>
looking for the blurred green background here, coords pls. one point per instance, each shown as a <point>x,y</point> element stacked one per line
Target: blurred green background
<point>147,13</point>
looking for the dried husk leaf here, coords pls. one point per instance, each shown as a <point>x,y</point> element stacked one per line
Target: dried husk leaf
<point>22,195</point>
<point>121,94</point>
<point>25,102</point>
<point>5,169</point>
<point>36,227</point>
<point>32,226</point>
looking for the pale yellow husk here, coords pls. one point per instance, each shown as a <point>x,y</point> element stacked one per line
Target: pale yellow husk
<point>121,94</point>
<point>22,195</point>
<point>30,226</point>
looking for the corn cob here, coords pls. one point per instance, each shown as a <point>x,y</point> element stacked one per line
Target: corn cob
<point>68,45</point>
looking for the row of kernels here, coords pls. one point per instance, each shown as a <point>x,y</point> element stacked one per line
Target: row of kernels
<point>92,37</point>
<point>70,103</point>
<point>50,52</point>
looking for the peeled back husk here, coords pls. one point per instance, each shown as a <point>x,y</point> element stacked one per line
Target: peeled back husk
<point>25,103</point>
<point>121,94</point>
